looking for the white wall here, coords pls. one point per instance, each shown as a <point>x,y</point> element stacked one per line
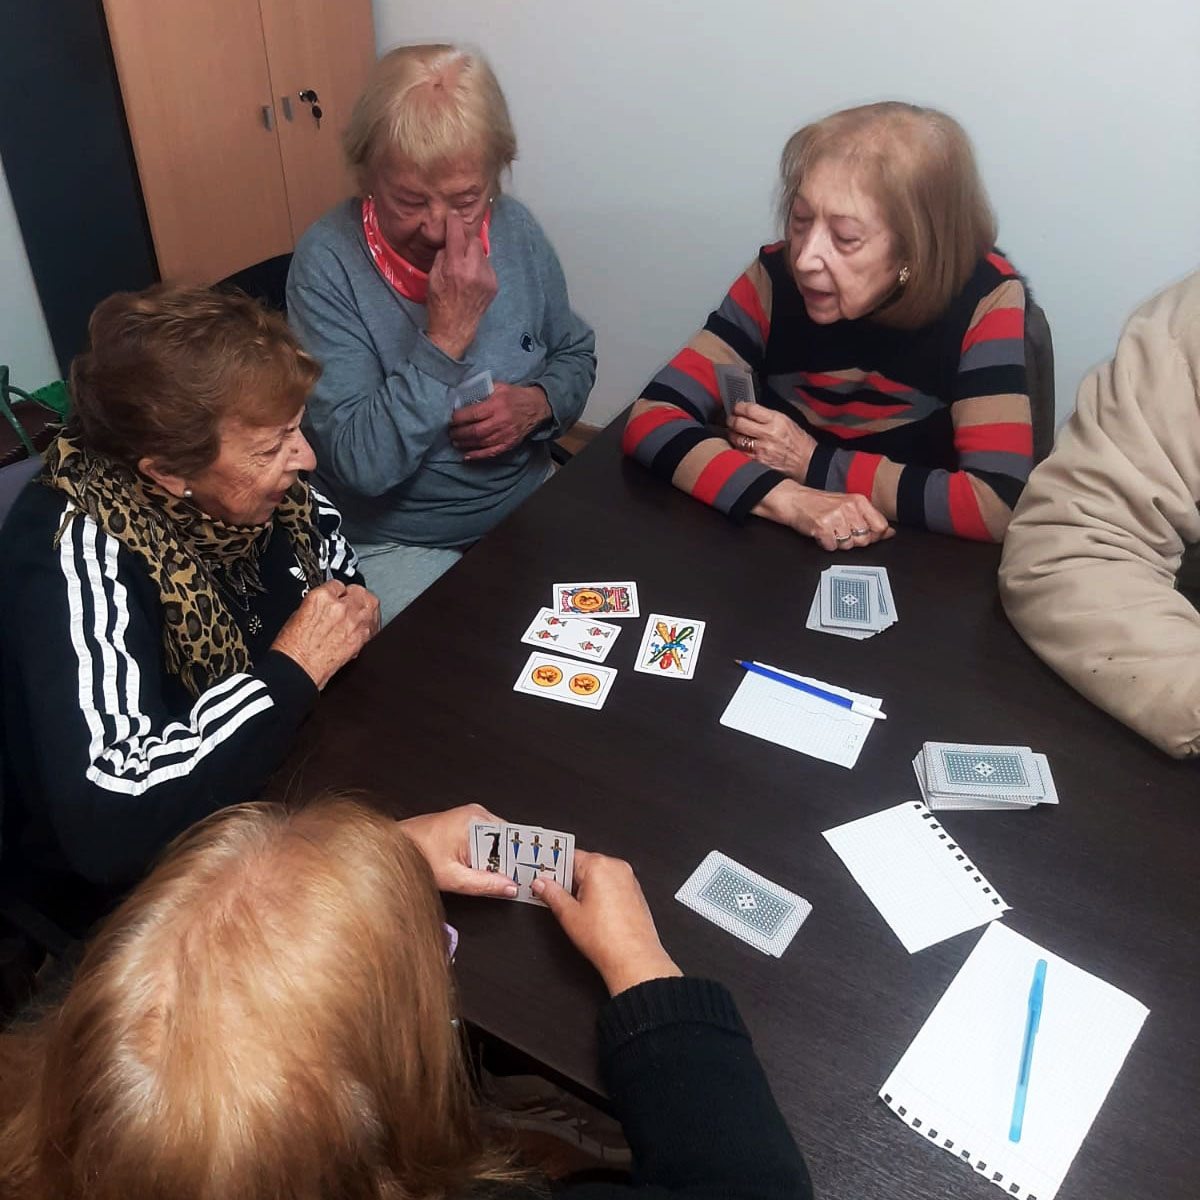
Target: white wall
<point>650,130</point>
<point>24,340</point>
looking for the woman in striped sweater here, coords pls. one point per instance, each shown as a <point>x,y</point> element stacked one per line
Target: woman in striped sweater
<point>886,340</point>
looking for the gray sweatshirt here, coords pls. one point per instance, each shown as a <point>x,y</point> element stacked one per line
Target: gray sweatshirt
<point>379,416</point>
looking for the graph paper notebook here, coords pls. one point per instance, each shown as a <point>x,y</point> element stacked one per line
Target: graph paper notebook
<point>956,1082</point>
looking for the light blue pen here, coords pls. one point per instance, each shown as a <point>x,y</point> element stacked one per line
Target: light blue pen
<point>1032,1021</point>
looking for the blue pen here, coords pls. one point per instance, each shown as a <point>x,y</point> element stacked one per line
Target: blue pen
<point>841,701</point>
<point>1032,1021</point>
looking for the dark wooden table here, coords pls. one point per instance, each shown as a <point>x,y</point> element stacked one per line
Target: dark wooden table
<point>427,718</point>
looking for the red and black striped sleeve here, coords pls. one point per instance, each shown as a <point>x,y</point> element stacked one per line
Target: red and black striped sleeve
<point>993,434</point>
<point>669,425</point>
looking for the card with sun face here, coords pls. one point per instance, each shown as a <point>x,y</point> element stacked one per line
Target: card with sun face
<point>595,599</point>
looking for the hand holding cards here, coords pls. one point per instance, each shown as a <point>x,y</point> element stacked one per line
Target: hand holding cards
<point>952,775</point>
<point>523,853</point>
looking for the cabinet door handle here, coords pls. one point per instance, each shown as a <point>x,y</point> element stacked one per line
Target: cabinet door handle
<point>268,115</point>
<point>286,103</point>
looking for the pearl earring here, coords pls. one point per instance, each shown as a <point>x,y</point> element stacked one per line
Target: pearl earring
<point>187,493</point>
<point>904,275</point>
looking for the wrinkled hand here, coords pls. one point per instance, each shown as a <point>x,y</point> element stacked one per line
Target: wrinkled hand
<point>771,438</point>
<point>837,521</point>
<point>462,284</point>
<point>495,425</point>
<point>609,921</point>
<point>333,623</point>
<point>444,840</point>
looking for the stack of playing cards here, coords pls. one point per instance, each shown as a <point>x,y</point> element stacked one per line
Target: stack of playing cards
<point>523,853</point>
<point>737,386</point>
<point>956,776</point>
<point>743,903</point>
<point>853,601</point>
<point>471,391</point>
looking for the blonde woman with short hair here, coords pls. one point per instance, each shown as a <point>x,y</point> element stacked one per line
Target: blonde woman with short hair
<point>273,1015</point>
<point>408,294</point>
<point>885,338</point>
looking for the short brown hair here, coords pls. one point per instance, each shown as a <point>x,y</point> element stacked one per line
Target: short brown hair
<point>918,166</point>
<point>430,103</point>
<point>269,1014</point>
<point>165,365</point>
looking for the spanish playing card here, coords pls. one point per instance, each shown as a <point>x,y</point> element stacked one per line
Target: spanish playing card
<point>565,679</point>
<point>595,599</point>
<point>589,639</point>
<point>743,903</point>
<point>670,646</point>
<point>531,852</point>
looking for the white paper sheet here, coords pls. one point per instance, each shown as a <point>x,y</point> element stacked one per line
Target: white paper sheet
<point>956,1082</point>
<point>788,717</point>
<point>926,886</point>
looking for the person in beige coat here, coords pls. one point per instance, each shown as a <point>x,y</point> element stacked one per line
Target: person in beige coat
<point>1089,575</point>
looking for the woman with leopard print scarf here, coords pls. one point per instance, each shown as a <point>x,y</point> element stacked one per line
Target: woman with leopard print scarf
<point>175,597</point>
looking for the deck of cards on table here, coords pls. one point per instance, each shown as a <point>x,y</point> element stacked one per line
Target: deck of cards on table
<point>957,776</point>
<point>852,601</point>
<point>670,646</point>
<point>743,903</point>
<point>595,599</point>
<point>523,853</point>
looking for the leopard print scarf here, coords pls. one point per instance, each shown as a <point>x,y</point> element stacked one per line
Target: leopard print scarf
<point>181,548</point>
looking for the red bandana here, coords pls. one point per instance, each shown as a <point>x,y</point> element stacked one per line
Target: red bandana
<point>409,281</point>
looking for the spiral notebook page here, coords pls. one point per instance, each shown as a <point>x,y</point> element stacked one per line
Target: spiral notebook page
<point>923,883</point>
<point>791,718</point>
<point>955,1084</point>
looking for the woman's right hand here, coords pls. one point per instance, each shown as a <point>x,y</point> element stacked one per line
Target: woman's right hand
<point>462,284</point>
<point>609,921</point>
<point>836,520</point>
<point>333,623</point>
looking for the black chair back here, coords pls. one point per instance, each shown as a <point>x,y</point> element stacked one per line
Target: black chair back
<point>1039,375</point>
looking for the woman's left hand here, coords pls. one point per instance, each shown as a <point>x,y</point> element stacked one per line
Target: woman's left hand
<point>772,439</point>
<point>444,840</point>
<point>495,425</point>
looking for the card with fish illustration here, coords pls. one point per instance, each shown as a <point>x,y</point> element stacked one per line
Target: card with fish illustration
<point>571,635</point>
<point>595,599</point>
<point>670,646</point>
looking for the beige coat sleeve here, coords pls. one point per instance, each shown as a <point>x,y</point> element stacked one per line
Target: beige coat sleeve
<point>1089,565</point>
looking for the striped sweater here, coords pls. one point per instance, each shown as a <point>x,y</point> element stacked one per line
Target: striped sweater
<point>932,425</point>
<point>106,755</point>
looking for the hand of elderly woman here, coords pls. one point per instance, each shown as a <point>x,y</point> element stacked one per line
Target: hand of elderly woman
<point>462,284</point>
<point>495,425</point>
<point>836,520</point>
<point>609,921</point>
<point>442,838</point>
<point>333,623</point>
<point>771,438</point>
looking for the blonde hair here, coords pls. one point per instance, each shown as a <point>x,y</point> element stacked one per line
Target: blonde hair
<point>431,104</point>
<point>269,1014</point>
<point>918,166</point>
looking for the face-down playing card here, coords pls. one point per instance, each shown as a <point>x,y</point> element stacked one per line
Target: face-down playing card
<point>670,646</point>
<point>471,391</point>
<point>744,903</point>
<point>848,600</point>
<point>531,852</point>
<point>736,384</point>
<point>565,679</point>
<point>589,639</point>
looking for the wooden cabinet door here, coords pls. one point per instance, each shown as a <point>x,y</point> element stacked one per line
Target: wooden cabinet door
<point>195,83</point>
<point>328,47</point>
